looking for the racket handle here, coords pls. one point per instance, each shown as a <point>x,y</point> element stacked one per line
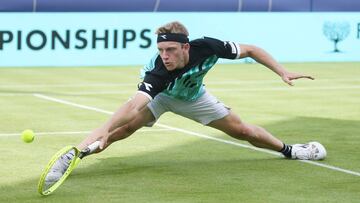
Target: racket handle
<point>89,149</point>
<point>94,146</point>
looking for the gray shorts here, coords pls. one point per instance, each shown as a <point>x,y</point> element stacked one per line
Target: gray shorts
<point>203,110</point>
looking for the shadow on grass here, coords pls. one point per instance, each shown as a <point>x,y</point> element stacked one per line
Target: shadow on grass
<point>204,171</point>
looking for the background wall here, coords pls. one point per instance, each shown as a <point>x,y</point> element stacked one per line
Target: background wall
<point>112,32</point>
<point>92,39</point>
<point>176,5</point>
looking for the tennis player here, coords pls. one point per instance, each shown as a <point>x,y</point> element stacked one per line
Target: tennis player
<point>173,81</point>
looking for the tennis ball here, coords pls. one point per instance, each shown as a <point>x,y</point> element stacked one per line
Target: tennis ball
<point>27,136</point>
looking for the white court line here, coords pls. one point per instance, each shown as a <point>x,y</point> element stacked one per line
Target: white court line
<point>74,132</point>
<point>199,135</point>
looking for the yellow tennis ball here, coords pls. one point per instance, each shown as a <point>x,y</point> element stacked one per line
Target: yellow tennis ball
<point>27,136</point>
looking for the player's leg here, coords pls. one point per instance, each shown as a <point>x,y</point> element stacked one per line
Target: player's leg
<point>257,136</point>
<point>209,111</point>
<point>144,117</point>
<point>147,116</point>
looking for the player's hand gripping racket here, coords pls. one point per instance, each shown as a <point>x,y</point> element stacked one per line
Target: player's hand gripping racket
<point>60,167</point>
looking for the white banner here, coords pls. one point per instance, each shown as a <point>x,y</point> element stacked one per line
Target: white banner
<point>112,39</point>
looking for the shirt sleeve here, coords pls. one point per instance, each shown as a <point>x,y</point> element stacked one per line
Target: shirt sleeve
<point>223,49</point>
<point>152,85</point>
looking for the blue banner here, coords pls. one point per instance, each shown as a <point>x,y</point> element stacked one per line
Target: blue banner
<point>112,39</point>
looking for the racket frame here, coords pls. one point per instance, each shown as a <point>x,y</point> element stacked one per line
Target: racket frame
<point>51,164</point>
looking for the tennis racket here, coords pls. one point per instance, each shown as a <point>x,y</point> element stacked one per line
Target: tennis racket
<point>61,165</point>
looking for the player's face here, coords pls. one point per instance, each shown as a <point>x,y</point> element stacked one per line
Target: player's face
<point>174,54</point>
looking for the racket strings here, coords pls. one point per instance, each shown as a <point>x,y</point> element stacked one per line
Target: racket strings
<point>59,168</point>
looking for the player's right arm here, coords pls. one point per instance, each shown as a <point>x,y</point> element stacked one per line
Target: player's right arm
<point>129,110</point>
<point>148,89</point>
<point>125,114</point>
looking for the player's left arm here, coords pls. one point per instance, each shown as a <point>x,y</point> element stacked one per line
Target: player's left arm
<point>264,58</point>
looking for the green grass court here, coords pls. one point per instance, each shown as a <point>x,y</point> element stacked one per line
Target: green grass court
<point>170,162</point>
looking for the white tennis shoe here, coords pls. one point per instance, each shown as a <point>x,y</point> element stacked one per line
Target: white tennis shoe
<point>309,151</point>
<point>59,168</point>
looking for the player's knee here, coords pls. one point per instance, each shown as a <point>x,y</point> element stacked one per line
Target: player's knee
<point>244,132</point>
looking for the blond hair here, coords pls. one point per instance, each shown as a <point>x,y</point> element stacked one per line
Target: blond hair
<point>173,27</point>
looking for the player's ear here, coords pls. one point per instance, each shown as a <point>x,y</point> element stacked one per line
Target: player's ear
<point>186,46</point>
